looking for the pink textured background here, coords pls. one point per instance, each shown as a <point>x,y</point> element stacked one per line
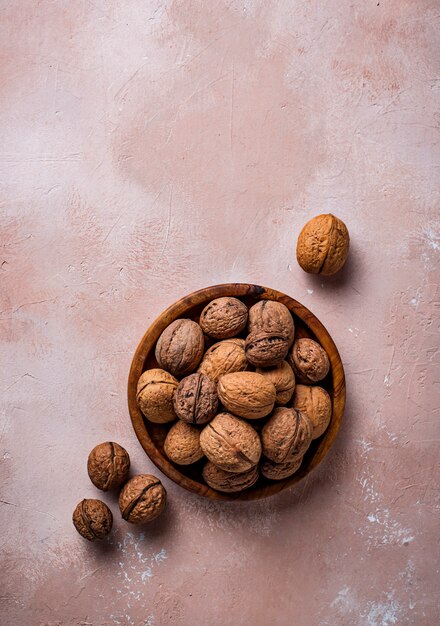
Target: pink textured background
<point>150,148</point>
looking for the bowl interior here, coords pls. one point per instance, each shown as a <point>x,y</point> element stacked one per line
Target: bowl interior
<point>152,436</point>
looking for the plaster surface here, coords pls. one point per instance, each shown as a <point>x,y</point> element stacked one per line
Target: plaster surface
<point>152,148</point>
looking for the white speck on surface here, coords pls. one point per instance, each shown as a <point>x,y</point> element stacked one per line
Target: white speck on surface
<point>150,621</point>
<point>310,291</point>
<point>383,613</point>
<point>343,599</point>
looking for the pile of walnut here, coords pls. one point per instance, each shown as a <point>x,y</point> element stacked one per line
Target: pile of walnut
<point>238,403</point>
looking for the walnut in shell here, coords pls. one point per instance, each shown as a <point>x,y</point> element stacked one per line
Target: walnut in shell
<point>224,357</point>
<point>278,471</point>
<point>196,400</point>
<point>229,482</point>
<point>224,317</point>
<point>247,394</point>
<point>142,499</point>
<point>309,361</point>
<point>92,519</point>
<point>182,444</point>
<point>231,443</point>
<point>283,379</point>
<point>265,350</point>
<point>323,244</point>
<point>286,435</point>
<point>316,402</point>
<point>271,318</point>
<point>108,465</point>
<point>180,347</point>
<point>155,391</point>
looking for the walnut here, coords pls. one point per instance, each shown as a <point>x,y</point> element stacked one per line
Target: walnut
<point>92,519</point>
<point>223,318</point>
<point>287,434</point>
<point>180,347</point>
<point>309,361</point>
<point>227,481</point>
<point>182,444</point>
<point>155,391</point>
<point>247,394</point>
<point>142,499</point>
<point>231,443</point>
<point>316,402</point>
<point>323,244</point>
<point>108,465</point>
<point>196,400</point>
<point>278,471</point>
<point>271,333</point>
<point>224,357</point>
<point>283,379</point>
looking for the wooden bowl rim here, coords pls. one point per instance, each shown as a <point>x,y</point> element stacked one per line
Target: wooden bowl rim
<point>178,309</point>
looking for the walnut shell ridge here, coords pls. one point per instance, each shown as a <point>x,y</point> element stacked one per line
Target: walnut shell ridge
<point>323,245</point>
<point>230,443</point>
<point>317,404</point>
<point>247,394</point>
<point>224,317</point>
<point>286,435</point>
<point>271,318</point>
<point>224,357</point>
<point>92,519</point>
<point>196,399</point>
<point>108,465</point>
<point>229,482</point>
<point>309,361</point>
<point>155,392</point>
<point>265,349</point>
<point>182,444</point>
<point>142,499</point>
<point>180,347</point>
<point>279,471</point>
<point>283,379</point>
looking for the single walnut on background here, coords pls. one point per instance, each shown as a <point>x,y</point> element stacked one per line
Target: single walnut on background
<point>182,444</point>
<point>309,361</point>
<point>92,519</point>
<point>229,482</point>
<point>224,357</point>
<point>271,333</point>
<point>283,379</point>
<point>286,435</point>
<point>180,347</point>
<point>155,392</point>
<point>196,399</point>
<point>278,471</point>
<point>108,465</point>
<point>317,404</point>
<point>323,244</point>
<point>231,443</point>
<point>247,394</point>
<point>224,317</point>
<point>142,499</point>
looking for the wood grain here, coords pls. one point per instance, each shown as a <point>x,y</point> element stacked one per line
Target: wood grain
<point>152,436</point>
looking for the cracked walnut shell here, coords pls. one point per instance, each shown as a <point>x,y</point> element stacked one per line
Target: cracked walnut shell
<point>309,361</point>
<point>247,394</point>
<point>223,318</point>
<point>196,399</point>
<point>108,465</point>
<point>224,357</point>
<point>323,244</point>
<point>229,482</point>
<point>155,392</point>
<point>286,435</point>
<point>317,404</point>
<point>92,519</point>
<point>180,347</point>
<point>230,443</point>
<point>182,444</point>
<point>142,499</point>
<point>283,379</point>
<point>271,318</point>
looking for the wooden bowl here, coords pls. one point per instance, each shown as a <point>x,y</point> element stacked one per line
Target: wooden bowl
<point>152,436</point>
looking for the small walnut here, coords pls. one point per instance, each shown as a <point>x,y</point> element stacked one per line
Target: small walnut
<point>247,394</point>
<point>271,318</point>
<point>108,465</point>
<point>316,402</point>
<point>323,244</point>
<point>196,400</point>
<point>227,481</point>
<point>142,499</point>
<point>155,391</point>
<point>182,444</point>
<point>92,519</point>
<point>224,357</point>
<point>309,361</point>
<point>223,318</point>
<point>283,379</point>
<point>180,347</point>
<point>278,471</point>
<point>287,434</point>
<point>231,443</point>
